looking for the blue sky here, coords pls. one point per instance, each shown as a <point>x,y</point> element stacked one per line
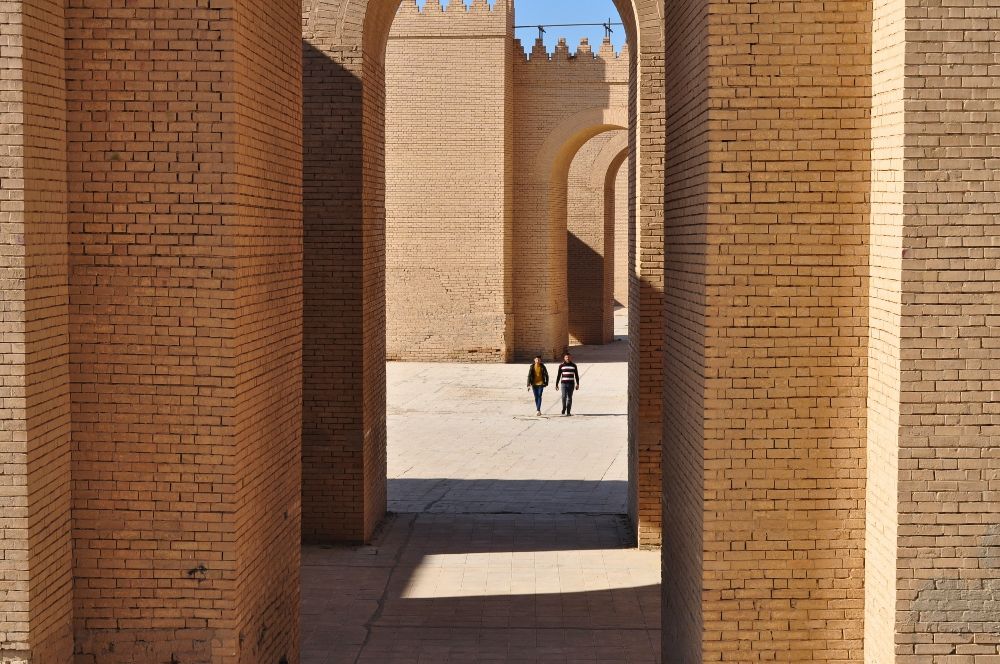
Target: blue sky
<point>534,12</point>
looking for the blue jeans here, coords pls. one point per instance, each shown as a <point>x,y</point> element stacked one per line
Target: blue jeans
<point>538,389</point>
<point>567,396</point>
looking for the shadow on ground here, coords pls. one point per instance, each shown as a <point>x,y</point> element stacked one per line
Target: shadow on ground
<point>504,496</point>
<point>463,589</point>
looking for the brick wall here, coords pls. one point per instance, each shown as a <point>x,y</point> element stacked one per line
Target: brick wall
<point>563,100</point>
<point>939,240</point>
<point>647,115</point>
<point>448,213</point>
<point>184,309</point>
<point>35,564</point>
<point>343,438</point>
<point>590,251</point>
<point>616,228</point>
<point>779,309</point>
<point>268,332</point>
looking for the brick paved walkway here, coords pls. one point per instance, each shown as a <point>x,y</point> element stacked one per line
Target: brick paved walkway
<point>507,544</point>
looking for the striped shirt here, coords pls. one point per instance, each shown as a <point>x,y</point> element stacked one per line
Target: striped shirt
<point>568,373</point>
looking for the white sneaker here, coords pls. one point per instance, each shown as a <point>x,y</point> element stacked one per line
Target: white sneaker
<point>538,414</point>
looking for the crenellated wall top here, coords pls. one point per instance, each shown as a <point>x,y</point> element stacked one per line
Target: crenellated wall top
<point>477,19</point>
<point>606,64</point>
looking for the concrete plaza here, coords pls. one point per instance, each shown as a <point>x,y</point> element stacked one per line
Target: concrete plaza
<point>507,541</point>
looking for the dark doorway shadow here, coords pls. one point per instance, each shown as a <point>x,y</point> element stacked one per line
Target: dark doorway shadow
<point>585,291</point>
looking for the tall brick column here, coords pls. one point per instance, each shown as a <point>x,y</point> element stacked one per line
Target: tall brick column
<point>184,163</point>
<point>933,576</point>
<point>35,549</point>
<point>344,434</point>
<point>765,363</point>
<point>648,147</point>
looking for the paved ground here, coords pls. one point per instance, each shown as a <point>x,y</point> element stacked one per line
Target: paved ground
<point>507,543</point>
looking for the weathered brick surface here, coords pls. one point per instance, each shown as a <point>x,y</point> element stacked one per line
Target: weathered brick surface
<point>185,239</point>
<point>35,564</point>
<point>449,212</point>
<point>932,497</point>
<point>768,334</point>
<point>591,241</point>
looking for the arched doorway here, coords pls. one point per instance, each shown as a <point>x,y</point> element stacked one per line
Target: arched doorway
<point>344,322</point>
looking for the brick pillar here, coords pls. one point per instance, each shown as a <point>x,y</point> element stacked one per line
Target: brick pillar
<point>933,536</point>
<point>184,163</point>
<point>344,434</point>
<point>35,560</point>
<point>646,294</point>
<point>767,227</point>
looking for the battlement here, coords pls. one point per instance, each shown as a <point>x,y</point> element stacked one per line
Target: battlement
<point>584,52</point>
<point>457,19</point>
<point>612,66</point>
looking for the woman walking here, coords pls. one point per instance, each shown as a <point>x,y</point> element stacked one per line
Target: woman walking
<point>538,380</point>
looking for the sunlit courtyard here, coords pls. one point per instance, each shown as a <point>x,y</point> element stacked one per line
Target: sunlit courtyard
<point>507,540</point>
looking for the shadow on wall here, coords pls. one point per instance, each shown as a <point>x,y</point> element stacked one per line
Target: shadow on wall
<point>343,328</point>
<point>585,291</point>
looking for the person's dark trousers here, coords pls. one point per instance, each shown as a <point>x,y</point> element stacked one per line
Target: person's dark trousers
<point>538,389</point>
<point>567,396</point>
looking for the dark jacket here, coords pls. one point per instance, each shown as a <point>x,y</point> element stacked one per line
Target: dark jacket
<point>570,373</point>
<point>531,375</point>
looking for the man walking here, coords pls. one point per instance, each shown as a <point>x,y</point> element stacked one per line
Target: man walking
<point>538,380</point>
<point>569,380</point>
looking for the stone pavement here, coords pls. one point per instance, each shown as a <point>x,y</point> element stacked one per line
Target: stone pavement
<point>507,542</point>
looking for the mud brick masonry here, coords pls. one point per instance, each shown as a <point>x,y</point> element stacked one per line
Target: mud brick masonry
<point>476,147</point>
<point>193,259</point>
